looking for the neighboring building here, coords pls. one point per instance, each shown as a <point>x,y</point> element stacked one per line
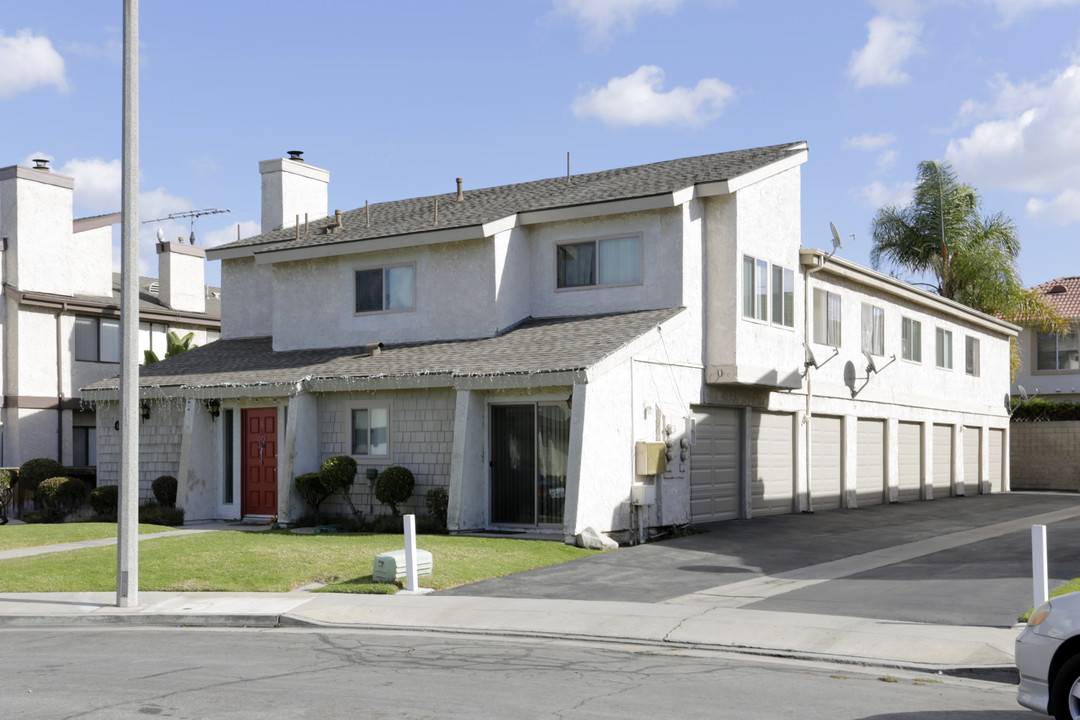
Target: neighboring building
<point>1051,363</point>
<point>522,346</point>
<point>60,314</point>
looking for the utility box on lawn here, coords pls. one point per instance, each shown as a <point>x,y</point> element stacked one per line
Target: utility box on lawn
<point>390,566</point>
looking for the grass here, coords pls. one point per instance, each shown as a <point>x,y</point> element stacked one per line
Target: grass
<point>277,561</point>
<point>1071,586</point>
<point>13,537</point>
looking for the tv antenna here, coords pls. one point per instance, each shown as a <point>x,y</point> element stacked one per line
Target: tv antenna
<point>193,215</point>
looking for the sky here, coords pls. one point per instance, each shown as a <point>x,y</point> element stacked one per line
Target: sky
<point>397,100</point>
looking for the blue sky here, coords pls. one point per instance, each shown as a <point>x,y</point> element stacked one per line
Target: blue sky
<point>396,100</point>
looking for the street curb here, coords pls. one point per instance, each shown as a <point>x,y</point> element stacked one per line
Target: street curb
<point>112,620</point>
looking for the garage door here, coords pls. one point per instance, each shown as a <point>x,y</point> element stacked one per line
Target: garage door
<point>997,465</point>
<point>714,465</point>
<point>825,462</point>
<point>911,460</point>
<point>772,442</point>
<point>870,463</point>
<point>971,436</point>
<point>943,456</point>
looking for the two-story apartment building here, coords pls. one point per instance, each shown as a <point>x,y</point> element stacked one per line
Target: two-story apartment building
<point>1050,364</point>
<point>60,314</point>
<point>530,347</point>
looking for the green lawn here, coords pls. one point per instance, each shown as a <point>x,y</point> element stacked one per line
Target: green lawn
<point>276,561</point>
<point>13,537</point>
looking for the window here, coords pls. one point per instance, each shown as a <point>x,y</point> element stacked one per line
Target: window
<point>971,356</point>
<point>873,329</point>
<point>370,431</point>
<point>944,348</point>
<point>227,456</point>
<point>783,296</point>
<point>1057,352</point>
<point>613,261</point>
<point>911,340</point>
<point>755,288</point>
<point>826,318</point>
<point>381,289</point>
<point>152,337</point>
<point>97,339</point>
<point>84,446</point>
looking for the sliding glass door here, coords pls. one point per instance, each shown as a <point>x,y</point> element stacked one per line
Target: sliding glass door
<point>529,444</point>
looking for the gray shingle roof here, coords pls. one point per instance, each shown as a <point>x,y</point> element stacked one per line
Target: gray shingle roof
<point>416,215</point>
<point>537,345</point>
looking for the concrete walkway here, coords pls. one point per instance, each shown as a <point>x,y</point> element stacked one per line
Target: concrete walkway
<point>733,615</point>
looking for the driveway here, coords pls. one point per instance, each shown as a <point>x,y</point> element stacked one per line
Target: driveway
<point>958,561</point>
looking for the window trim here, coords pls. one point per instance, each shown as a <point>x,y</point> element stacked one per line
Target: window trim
<point>916,357</point>
<point>877,322</point>
<point>383,268</point>
<point>786,274</point>
<point>972,361</point>
<point>595,241</point>
<point>939,334</point>
<point>839,320</point>
<point>389,426</point>
<point>97,320</point>
<point>1057,353</point>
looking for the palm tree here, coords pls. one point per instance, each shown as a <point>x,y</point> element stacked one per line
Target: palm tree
<point>972,257</point>
<point>174,346</point>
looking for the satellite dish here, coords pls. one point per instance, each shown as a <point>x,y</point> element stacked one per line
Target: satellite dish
<point>871,365</point>
<point>160,235</point>
<point>810,359</point>
<point>836,244</point>
<point>1023,393</point>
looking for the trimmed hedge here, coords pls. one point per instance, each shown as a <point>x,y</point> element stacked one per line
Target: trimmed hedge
<point>59,497</point>
<point>1041,410</point>
<point>437,501</point>
<point>161,515</point>
<point>32,472</point>
<point>105,500</point>
<point>394,486</point>
<point>8,478</point>
<point>164,489</point>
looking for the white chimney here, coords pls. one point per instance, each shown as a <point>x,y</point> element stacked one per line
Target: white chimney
<point>291,187</point>
<point>181,276</point>
<point>36,218</point>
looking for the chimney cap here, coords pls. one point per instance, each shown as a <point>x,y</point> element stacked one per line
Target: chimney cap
<point>296,155</point>
<point>41,164</point>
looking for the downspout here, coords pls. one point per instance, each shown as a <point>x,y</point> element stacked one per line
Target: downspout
<point>807,333</point>
<point>59,386</point>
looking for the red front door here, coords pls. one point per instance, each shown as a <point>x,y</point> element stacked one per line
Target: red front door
<point>259,476</point>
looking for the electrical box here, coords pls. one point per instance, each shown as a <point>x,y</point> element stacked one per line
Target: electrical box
<point>390,566</point>
<point>641,494</point>
<point>650,458</point>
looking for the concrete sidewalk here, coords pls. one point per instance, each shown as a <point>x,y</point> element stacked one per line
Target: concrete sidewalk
<point>978,651</point>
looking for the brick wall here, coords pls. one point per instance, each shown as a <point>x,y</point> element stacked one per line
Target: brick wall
<point>1045,455</point>
<point>421,439</point>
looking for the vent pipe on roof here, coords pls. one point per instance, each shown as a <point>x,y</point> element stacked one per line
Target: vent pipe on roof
<point>337,218</point>
<point>460,194</point>
<point>367,214</point>
<point>567,167</point>
<point>296,155</point>
<point>41,164</point>
<point>436,212</point>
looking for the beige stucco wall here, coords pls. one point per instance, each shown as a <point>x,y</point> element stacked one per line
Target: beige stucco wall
<point>1045,455</point>
<point>246,300</point>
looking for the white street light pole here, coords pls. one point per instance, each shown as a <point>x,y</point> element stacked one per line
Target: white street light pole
<point>127,545</point>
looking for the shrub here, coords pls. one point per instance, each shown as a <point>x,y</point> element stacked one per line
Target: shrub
<point>394,486</point>
<point>34,471</point>
<point>164,488</point>
<point>388,524</point>
<point>311,488</point>
<point>8,478</point>
<point>105,500</point>
<point>338,473</point>
<point>1039,409</point>
<point>59,497</point>
<point>437,500</point>
<point>161,515</point>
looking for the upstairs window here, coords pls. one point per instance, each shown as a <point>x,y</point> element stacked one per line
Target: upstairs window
<point>873,329</point>
<point>911,340</point>
<point>971,356</point>
<point>97,339</point>
<point>383,289</point>
<point>370,431</point>
<point>1057,352</point>
<point>826,318</point>
<point>943,349</point>
<point>612,261</point>
<point>755,288</point>
<point>783,296</point>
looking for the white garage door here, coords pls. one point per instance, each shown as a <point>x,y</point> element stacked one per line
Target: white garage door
<point>943,456</point>
<point>714,465</point>
<point>911,461</point>
<point>870,463</point>
<point>972,436</point>
<point>772,443</point>
<point>997,465</point>
<point>825,462</point>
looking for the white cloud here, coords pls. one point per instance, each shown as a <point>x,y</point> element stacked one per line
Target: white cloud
<point>890,43</point>
<point>227,234</point>
<point>870,142</point>
<point>1063,209</point>
<point>600,18</point>
<point>97,183</point>
<point>1029,143</point>
<point>27,61</point>
<point>1012,9</point>
<point>877,194</point>
<point>638,99</point>
<point>886,160</point>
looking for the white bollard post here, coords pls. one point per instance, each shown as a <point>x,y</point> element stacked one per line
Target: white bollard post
<point>410,553</point>
<point>1039,580</point>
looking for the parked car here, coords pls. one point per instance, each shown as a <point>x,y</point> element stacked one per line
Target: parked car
<point>1048,658</point>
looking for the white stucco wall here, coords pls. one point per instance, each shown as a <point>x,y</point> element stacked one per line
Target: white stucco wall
<point>291,188</point>
<point>91,258</point>
<point>512,276</point>
<point>246,306</point>
<point>36,207</point>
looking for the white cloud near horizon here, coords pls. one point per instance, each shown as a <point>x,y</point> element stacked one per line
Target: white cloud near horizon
<point>1027,140</point>
<point>891,41</point>
<point>600,19</point>
<point>1010,10</point>
<point>639,99</point>
<point>28,61</point>
<point>870,141</point>
<point>877,194</point>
